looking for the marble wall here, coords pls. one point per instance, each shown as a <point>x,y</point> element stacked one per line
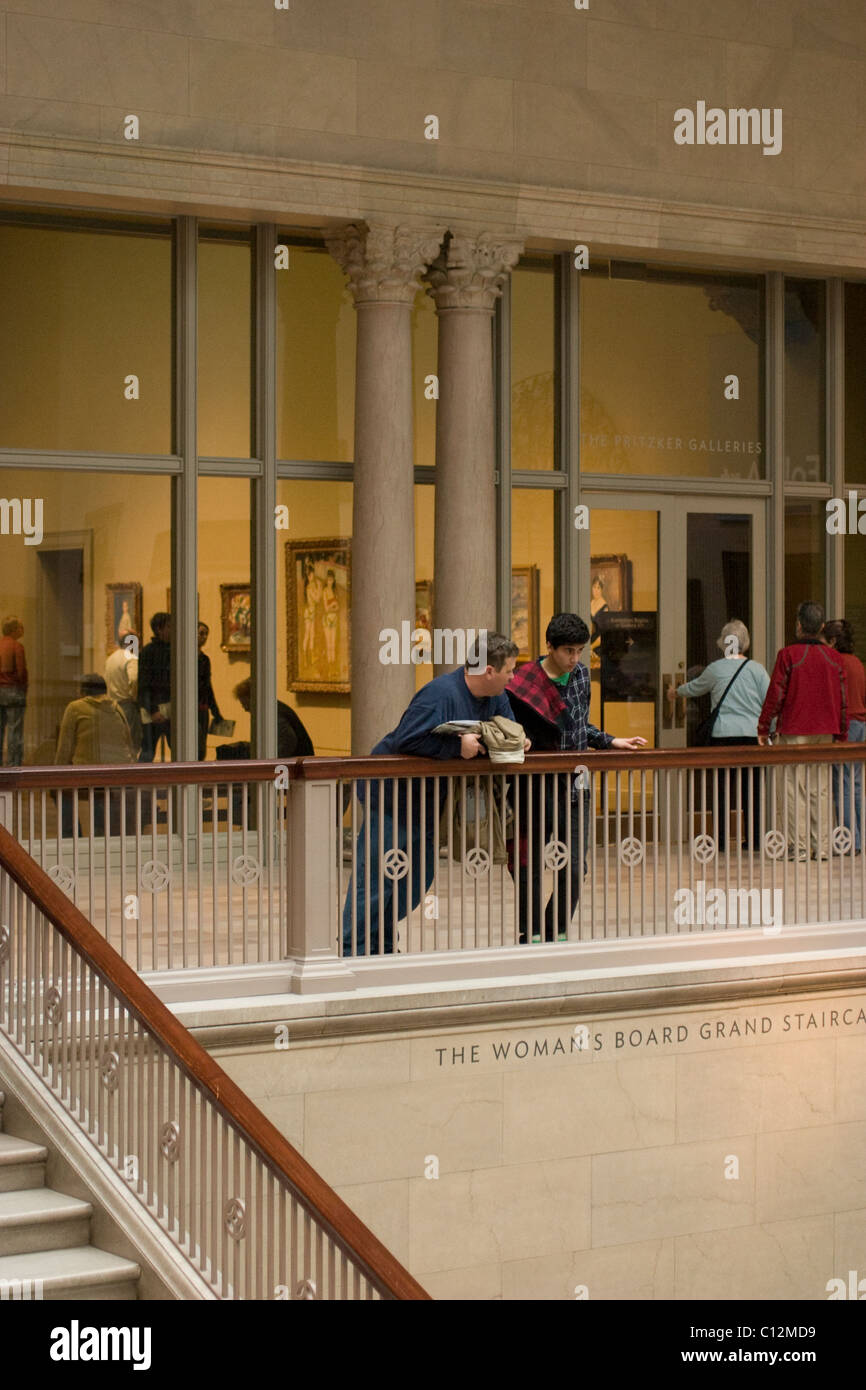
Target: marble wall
<point>530,92</point>
<point>711,1153</point>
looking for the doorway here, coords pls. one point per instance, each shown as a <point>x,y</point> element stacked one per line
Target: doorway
<point>665,574</point>
<point>60,644</point>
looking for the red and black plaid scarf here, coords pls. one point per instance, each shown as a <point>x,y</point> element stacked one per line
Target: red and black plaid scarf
<point>530,684</point>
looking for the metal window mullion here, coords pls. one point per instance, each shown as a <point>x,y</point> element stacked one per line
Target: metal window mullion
<point>834,424</point>
<point>774,375</point>
<point>184,503</point>
<point>263,539</point>
<point>575,544</point>
<point>502,392</point>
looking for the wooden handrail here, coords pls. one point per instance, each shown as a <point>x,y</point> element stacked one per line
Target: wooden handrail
<point>143,774</point>
<point>384,1272</point>
<point>396,765</point>
<point>646,760</point>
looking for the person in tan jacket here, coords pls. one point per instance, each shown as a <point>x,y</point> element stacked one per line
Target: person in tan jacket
<point>93,730</point>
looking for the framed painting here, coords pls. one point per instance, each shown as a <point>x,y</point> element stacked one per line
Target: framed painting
<point>524,611</point>
<point>609,592</point>
<point>424,615</point>
<point>236,617</point>
<point>609,584</point>
<point>318,606</point>
<point>122,614</point>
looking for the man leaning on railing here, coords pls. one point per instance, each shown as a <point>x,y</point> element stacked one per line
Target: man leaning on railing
<point>468,693</point>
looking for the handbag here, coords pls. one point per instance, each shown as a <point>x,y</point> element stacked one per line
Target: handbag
<point>704,731</point>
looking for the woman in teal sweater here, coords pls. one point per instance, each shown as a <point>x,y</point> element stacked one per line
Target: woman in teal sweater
<point>737,722</point>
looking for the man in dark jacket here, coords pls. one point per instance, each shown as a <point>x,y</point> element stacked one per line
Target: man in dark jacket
<point>808,700</point>
<point>207,701</point>
<point>154,687</point>
<point>407,822</point>
<point>293,741</point>
<point>550,698</point>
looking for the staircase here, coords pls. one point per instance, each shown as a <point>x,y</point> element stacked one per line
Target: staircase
<point>45,1249</point>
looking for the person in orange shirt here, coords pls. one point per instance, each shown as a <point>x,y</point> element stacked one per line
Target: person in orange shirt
<point>13,691</point>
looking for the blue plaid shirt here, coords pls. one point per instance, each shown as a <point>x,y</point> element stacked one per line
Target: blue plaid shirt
<point>577,732</point>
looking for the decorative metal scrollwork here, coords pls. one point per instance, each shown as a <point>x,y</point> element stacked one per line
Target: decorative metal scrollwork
<point>63,877</point>
<point>395,864</point>
<point>631,851</point>
<point>477,862</point>
<point>245,870</point>
<point>110,1071</point>
<point>775,844</point>
<point>556,855</point>
<point>306,1290</point>
<point>53,1004</point>
<point>236,1218</point>
<point>703,848</point>
<point>154,875</point>
<point>842,839</point>
<point>4,945</point>
<point>169,1139</point>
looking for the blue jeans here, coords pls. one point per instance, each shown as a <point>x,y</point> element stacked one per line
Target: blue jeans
<point>388,820</point>
<point>12,706</point>
<point>847,782</point>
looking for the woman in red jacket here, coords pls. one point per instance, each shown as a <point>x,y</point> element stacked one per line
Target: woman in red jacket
<point>848,779</point>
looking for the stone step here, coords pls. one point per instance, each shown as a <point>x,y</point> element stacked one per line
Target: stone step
<point>79,1272</point>
<point>22,1164</point>
<point>36,1219</point>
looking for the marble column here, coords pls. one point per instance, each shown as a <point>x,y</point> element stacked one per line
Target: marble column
<point>383,264</point>
<point>465,281</point>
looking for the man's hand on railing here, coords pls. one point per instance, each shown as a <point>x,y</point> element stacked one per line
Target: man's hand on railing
<point>628,745</point>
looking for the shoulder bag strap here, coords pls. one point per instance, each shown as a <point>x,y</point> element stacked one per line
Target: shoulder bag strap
<point>743,666</point>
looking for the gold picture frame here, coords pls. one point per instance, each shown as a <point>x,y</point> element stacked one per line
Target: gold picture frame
<point>318,614</point>
<point>236,618</point>
<point>524,611</point>
<point>122,613</point>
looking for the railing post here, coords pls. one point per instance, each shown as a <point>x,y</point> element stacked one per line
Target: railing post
<point>312,889</point>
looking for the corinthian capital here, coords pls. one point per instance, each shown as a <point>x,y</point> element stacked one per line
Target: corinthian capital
<point>384,262</point>
<point>470,272</point>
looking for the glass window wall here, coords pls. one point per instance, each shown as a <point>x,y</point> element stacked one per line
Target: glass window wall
<point>805,557</point>
<point>533,358</point>
<point>671,375</point>
<point>225,345</point>
<point>315,359</point>
<point>83,585</point>
<point>86,341</point>
<point>805,375</point>
<point>855,377</point>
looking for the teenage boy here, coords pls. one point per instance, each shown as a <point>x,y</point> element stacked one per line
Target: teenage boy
<point>550,698</point>
<point>467,693</point>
